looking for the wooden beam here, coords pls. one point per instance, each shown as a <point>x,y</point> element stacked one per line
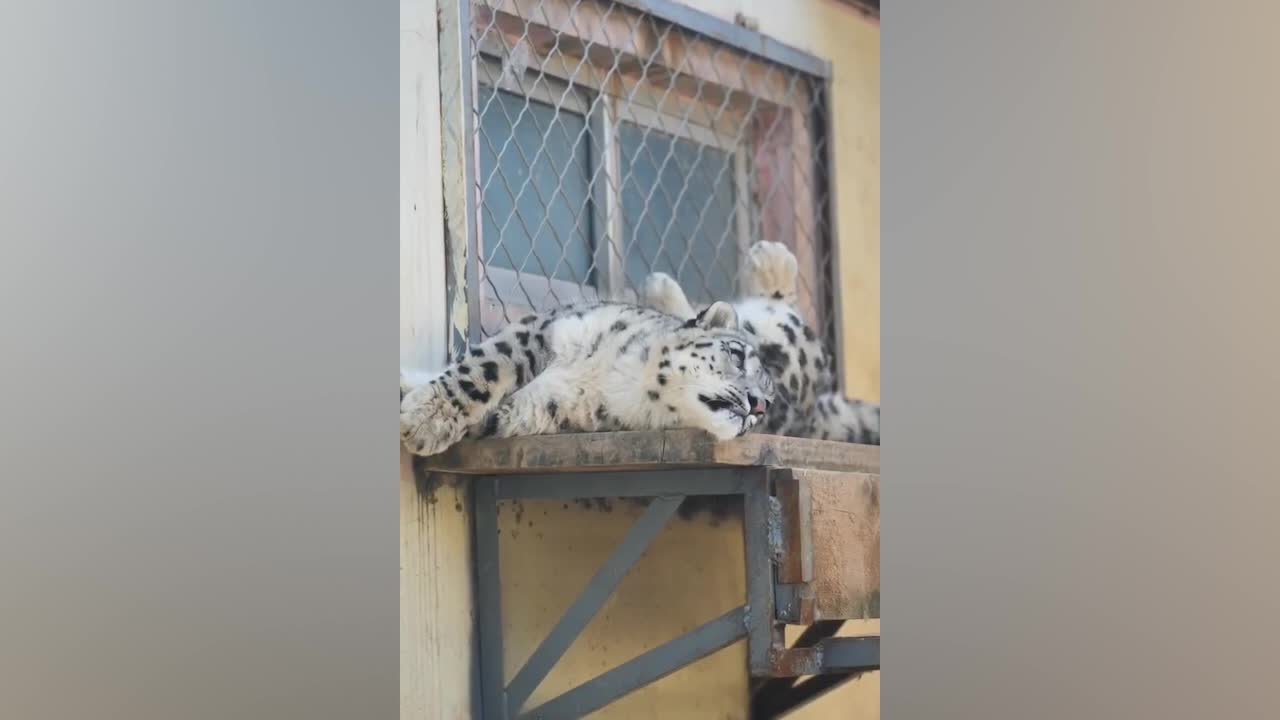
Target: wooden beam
<point>580,452</point>
<point>845,524</point>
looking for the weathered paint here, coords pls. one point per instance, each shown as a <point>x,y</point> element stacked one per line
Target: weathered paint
<point>435,567</point>
<point>858,699</point>
<point>435,601</point>
<point>458,190</point>
<point>422,261</point>
<point>845,525</point>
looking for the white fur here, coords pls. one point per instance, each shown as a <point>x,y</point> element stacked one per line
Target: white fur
<point>599,368</point>
<point>661,292</point>
<point>769,280</point>
<point>769,269</point>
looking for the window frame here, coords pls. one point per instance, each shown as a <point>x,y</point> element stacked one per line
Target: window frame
<point>744,68</point>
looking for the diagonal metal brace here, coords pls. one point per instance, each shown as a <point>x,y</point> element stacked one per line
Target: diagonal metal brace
<point>647,668</point>
<point>584,608</point>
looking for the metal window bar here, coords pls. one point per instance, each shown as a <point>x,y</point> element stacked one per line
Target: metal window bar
<point>591,142</point>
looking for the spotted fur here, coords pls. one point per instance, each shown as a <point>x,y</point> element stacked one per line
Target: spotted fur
<point>590,368</point>
<point>809,403</point>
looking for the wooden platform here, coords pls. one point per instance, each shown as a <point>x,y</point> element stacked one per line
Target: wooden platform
<point>581,452</point>
<point>828,497</point>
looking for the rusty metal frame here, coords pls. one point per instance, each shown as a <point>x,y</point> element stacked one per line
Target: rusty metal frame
<point>504,700</point>
<point>830,660</point>
<point>760,620</point>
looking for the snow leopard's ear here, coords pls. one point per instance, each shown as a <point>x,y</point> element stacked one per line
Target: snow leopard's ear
<point>719,315</point>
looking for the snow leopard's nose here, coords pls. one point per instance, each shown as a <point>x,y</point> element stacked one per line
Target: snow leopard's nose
<point>758,405</point>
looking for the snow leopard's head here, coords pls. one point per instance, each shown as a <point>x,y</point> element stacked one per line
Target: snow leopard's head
<point>709,373</point>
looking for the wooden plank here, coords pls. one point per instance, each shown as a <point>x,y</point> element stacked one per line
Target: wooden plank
<point>775,451</point>
<point>436,601</point>
<point>423,323</point>
<point>458,144</point>
<point>845,527</point>
<point>648,450</point>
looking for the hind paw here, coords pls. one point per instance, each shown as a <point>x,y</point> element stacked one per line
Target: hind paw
<point>769,270</point>
<point>661,292</point>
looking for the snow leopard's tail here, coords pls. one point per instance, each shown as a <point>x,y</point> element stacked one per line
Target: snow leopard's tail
<point>839,418</point>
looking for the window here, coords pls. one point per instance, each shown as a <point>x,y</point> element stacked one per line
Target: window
<point>679,212</point>
<point>535,168</point>
<point>610,144</point>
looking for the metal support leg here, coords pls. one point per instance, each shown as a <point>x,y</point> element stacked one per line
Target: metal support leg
<point>489,599</point>
<point>812,635</point>
<point>760,600</point>
<point>831,661</point>
<point>757,620</point>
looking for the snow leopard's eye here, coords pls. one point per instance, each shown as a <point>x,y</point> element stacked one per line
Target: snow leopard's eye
<point>739,357</point>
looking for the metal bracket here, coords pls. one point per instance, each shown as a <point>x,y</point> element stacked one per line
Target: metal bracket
<point>770,548</point>
<point>830,661</point>
<point>503,700</point>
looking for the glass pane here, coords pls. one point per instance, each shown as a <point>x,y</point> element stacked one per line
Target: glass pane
<point>678,212</point>
<point>535,172</point>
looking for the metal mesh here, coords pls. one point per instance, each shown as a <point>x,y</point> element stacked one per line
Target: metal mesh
<point>609,144</point>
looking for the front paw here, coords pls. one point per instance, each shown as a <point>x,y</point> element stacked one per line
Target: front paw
<point>430,422</point>
<point>725,425</point>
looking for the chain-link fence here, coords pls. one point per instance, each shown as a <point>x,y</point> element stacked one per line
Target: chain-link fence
<point>608,140</point>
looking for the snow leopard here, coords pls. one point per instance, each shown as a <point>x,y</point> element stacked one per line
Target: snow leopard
<point>809,404</point>
<point>607,366</point>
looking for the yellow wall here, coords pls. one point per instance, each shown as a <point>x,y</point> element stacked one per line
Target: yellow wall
<point>435,601</point>
<point>693,573</point>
